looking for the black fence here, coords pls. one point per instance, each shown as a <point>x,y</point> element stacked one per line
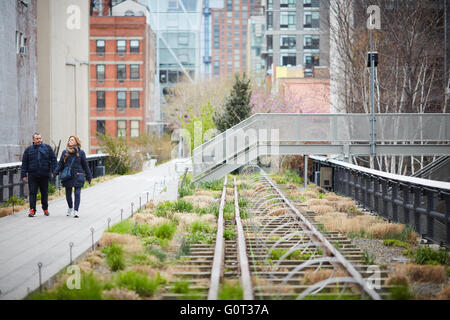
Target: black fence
<point>423,207</point>
<point>12,185</point>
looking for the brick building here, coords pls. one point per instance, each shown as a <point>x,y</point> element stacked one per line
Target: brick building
<point>229,35</point>
<point>122,68</point>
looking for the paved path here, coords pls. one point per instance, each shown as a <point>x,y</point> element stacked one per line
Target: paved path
<point>24,242</point>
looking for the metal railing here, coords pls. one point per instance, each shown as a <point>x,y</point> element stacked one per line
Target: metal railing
<point>14,186</point>
<point>421,204</point>
<point>410,134</point>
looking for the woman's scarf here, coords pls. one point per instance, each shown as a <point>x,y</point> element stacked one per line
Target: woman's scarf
<point>71,150</point>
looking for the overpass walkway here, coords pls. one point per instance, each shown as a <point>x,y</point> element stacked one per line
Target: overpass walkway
<point>25,242</point>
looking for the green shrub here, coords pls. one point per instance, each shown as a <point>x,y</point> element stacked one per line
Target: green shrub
<point>180,287</point>
<point>185,190</point>
<point>229,233</point>
<point>123,227</point>
<point>182,206</point>
<point>368,258</point>
<point>140,283</point>
<point>200,226</point>
<point>185,248</point>
<point>163,208</point>
<point>400,290</point>
<point>164,230</point>
<point>142,230</point>
<point>395,243</point>
<point>52,189</point>
<point>13,200</point>
<point>426,255</point>
<point>118,161</point>
<point>215,185</point>
<point>293,177</point>
<point>277,253</point>
<point>243,202</point>
<point>114,257</point>
<point>244,213</point>
<point>201,238</point>
<point>90,289</point>
<point>157,252</point>
<point>231,291</point>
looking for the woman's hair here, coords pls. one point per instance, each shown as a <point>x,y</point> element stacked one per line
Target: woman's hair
<point>77,140</point>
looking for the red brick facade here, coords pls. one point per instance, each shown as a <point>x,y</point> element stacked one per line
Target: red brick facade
<point>119,81</point>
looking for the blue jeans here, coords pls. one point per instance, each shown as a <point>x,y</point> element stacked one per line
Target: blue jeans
<point>77,197</point>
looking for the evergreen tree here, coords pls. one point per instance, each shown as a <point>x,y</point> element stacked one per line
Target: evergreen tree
<point>237,107</point>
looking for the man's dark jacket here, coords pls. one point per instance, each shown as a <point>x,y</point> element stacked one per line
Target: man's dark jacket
<point>38,161</point>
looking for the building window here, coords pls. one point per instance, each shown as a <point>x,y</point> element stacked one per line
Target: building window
<point>100,72</point>
<point>134,128</point>
<point>101,127</point>
<point>121,99</point>
<point>287,42</point>
<point>288,20</point>
<point>134,71</point>
<point>269,20</point>
<point>311,60</point>
<point>134,99</point>
<point>288,3</point>
<point>100,46</point>
<point>269,42</point>
<point>100,99</point>
<point>121,71</point>
<point>311,42</point>
<point>269,4</point>
<point>134,46</point>
<point>121,46</point>
<point>172,4</point>
<point>289,59</point>
<point>312,20</point>
<point>311,3</point>
<point>121,128</point>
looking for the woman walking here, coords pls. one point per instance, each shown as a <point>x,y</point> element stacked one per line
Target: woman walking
<point>75,159</point>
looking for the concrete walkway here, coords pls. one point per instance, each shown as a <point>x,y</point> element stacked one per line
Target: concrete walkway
<point>25,242</point>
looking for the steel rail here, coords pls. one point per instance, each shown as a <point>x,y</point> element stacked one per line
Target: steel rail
<point>245,278</point>
<point>219,251</point>
<point>328,246</point>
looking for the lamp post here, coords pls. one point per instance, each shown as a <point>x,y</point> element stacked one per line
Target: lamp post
<point>373,22</point>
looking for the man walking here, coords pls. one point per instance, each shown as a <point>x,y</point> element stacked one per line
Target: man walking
<point>38,164</point>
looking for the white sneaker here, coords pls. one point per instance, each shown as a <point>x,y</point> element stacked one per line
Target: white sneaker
<point>69,212</point>
<point>75,214</point>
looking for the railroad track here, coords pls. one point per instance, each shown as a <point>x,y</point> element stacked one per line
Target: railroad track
<point>278,253</point>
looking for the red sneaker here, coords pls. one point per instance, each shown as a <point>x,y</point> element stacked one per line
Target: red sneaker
<point>46,213</point>
<point>32,213</point>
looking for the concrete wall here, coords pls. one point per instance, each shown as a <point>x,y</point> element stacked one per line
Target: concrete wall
<point>18,78</point>
<point>63,51</point>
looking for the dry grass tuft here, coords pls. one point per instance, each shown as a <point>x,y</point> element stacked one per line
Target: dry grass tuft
<point>312,277</point>
<point>131,244</point>
<point>397,279</point>
<point>291,186</point>
<point>246,193</point>
<point>343,205</point>
<point>309,194</point>
<point>149,219</point>
<point>338,221</point>
<point>186,219</point>
<point>201,201</point>
<point>332,197</point>
<point>120,294</point>
<point>202,192</point>
<point>230,191</point>
<point>382,229</point>
<point>321,209</point>
<point>444,294</point>
<point>317,202</point>
<point>144,269</point>
<point>422,273</point>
